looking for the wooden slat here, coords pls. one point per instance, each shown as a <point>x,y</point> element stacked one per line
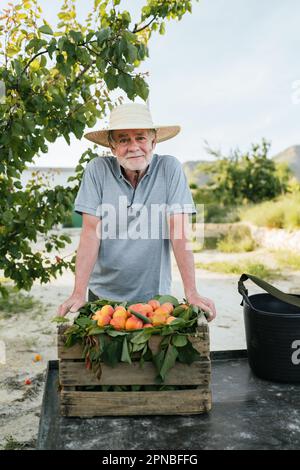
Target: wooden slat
<point>89,404</point>
<point>74,352</point>
<point>75,373</point>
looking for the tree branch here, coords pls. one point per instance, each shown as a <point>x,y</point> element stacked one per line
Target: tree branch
<point>33,58</point>
<point>135,30</point>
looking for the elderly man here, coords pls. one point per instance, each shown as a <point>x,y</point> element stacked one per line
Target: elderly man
<point>132,260</point>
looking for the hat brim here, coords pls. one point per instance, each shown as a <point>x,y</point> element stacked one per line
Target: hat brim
<point>163,133</point>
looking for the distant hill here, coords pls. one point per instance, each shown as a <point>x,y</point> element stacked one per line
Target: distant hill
<point>291,156</point>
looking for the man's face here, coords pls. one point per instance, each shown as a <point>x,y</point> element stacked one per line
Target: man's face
<point>133,148</point>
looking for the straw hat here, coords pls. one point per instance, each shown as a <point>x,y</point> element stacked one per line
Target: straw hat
<point>131,116</point>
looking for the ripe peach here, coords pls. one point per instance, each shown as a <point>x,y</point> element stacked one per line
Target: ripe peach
<point>151,315</point>
<point>169,306</point>
<point>162,310</point>
<point>159,319</point>
<point>107,309</point>
<point>120,307</point>
<point>154,303</point>
<point>103,320</point>
<point>96,315</point>
<point>133,323</point>
<point>144,309</point>
<point>118,323</point>
<point>147,325</point>
<point>170,319</point>
<point>120,313</point>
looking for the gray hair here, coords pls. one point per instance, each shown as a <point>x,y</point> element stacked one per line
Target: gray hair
<point>112,142</point>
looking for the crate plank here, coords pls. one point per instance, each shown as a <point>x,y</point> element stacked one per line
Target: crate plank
<point>180,402</point>
<point>75,373</point>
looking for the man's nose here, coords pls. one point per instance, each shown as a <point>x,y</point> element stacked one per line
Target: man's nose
<point>132,145</point>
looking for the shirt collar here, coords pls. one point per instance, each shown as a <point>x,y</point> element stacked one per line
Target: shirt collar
<point>148,171</point>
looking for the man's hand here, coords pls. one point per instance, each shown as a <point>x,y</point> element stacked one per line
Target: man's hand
<point>204,303</point>
<point>72,304</point>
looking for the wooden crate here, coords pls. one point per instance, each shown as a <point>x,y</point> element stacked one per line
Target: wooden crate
<point>74,377</point>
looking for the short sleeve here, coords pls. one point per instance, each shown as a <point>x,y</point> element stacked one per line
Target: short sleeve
<point>179,199</point>
<point>89,196</point>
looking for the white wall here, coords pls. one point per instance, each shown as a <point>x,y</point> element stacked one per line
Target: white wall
<point>55,176</point>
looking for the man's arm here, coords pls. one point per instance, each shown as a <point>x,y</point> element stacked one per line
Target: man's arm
<point>179,224</point>
<point>86,256</point>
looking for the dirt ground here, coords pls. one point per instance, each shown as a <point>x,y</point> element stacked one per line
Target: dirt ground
<point>26,335</point>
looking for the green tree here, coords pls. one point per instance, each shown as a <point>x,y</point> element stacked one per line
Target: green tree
<point>57,82</point>
<point>244,177</point>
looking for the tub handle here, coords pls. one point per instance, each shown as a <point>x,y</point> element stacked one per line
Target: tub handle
<point>288,298</point>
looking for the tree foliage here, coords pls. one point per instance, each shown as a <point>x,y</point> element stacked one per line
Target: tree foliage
<point>243,177</point>
<point>57,82</point>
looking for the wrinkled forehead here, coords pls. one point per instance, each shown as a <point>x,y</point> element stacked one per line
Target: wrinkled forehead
<point>130,132</point>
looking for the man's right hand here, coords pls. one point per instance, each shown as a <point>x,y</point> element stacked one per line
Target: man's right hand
<point>72,304</point>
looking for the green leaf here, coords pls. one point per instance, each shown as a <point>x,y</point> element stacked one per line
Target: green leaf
<point>102,35</point>
<point>141,88</point>
<point>125,82</point>
<point>125,353</point>
<point>60,320</point>
<point>112,352</point>
<point>84,322</point>
<point>45,29</point>
<point>195,309</point>
<point>158,360</point>
<point>168,298</point>
<point>131,53</point>
<point>76,36</point>
<point>141,337</point>
<point>114,333</point>
<point>138,347</point>
<point>95,330</point>
<point>188,354</point>
<point>179,341</point>
<point>111,80</point>
<point>178,310</point>
<point>162,28</point>
<point>140,316</point>
<point>18,184</point>
<point>169,361</point>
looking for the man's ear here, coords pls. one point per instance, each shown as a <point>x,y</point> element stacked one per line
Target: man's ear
<point>154,142</point>
<point>112,149</point>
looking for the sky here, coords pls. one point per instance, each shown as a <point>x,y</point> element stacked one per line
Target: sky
<point>228,74</point>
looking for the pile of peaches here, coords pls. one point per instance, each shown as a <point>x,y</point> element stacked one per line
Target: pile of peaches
<point>136,316</point>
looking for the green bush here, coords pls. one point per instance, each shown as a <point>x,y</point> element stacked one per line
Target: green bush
<point>243,177</point>
<point>238,239</point>
<point>283,212</point>
<point>286,259</point>
<point>244,266</point>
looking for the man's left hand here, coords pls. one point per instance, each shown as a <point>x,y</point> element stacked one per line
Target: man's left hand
<point>204,303</point>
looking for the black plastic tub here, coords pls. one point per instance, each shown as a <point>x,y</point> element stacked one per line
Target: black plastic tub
<point>272,327</point>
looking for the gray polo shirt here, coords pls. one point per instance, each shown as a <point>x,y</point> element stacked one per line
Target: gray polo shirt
<point>134,261</point>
